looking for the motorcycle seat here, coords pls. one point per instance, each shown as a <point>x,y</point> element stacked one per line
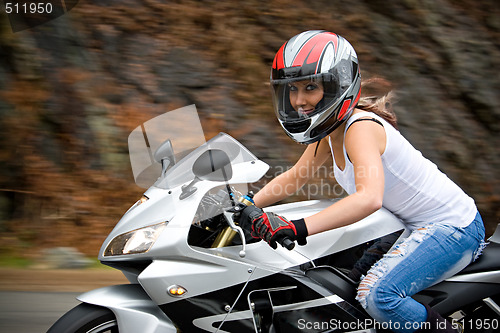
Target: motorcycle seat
<point>488,261</point>
<point>335,281</point>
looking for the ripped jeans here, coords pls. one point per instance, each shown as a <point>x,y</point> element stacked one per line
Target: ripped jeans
<point>429,255</point>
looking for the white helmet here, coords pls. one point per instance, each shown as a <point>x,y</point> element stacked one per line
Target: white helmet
<point>322,57</point>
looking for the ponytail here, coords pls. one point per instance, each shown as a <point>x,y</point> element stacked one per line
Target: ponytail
<point>381,101</point>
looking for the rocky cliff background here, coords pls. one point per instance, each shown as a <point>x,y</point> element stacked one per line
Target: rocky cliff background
<point>72,90</point>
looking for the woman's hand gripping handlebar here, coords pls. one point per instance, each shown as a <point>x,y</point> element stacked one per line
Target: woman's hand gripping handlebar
<point>271,227</point>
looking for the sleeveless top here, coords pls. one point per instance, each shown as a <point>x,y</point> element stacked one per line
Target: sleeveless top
<point>415,190</point>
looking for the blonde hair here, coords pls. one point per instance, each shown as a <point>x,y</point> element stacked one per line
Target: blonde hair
<point>380,101</point>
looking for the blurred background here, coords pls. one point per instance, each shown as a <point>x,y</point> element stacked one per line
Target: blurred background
<point>73,89</point>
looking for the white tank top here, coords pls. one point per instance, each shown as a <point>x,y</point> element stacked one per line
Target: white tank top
<point>414,190</point>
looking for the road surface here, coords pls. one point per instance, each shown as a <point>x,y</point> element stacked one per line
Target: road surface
<point>31,300</point>
<point>33,312</point>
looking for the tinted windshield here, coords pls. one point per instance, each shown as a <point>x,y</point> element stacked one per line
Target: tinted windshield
<point>182,130</point>
<point>182,127</point>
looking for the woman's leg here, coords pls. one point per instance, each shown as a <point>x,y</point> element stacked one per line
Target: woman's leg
<point>429,255</point>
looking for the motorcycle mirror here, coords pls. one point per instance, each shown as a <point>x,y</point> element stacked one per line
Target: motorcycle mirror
<point>165,152</point>
<point>164,155</point>
<point>214,165</point>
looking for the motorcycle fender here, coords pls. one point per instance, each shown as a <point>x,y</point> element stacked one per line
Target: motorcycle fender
<point>133,308</point>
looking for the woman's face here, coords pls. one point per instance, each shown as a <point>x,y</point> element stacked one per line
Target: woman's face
<point>305,95</point>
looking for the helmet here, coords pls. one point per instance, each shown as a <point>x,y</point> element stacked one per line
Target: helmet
<point>329,61</point>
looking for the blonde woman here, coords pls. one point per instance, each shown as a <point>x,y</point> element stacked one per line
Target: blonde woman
<point>316,87</point>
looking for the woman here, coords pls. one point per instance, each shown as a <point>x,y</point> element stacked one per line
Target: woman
<point>316,89</point>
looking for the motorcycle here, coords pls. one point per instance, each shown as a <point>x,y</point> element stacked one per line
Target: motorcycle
<point>191,268</point>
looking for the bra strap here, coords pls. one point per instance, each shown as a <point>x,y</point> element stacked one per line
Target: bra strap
<point>361,119</point>
<point>370,119</point>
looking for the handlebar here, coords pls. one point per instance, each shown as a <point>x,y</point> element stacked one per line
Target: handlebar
<point>287,243</point>
<point>247,200</point>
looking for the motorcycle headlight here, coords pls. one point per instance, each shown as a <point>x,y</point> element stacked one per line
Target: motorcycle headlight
<point>135,241</point>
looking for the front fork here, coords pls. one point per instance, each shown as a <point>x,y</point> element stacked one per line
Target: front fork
<point>225,238</point>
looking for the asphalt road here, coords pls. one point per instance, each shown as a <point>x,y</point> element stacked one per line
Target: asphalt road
<point>33,312</point>
<point>31,300</point>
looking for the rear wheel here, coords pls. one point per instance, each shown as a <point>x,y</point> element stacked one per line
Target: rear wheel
<point>86,318</point>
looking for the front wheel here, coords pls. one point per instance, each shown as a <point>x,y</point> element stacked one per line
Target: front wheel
<point>86,318</point>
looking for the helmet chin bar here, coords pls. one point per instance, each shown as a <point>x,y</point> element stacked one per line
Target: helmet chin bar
<point>315,128</point>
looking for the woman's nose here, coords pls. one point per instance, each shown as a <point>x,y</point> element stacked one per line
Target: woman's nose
<point>301,98</point>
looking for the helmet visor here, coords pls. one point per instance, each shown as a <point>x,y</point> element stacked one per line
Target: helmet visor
<point>299,99</point>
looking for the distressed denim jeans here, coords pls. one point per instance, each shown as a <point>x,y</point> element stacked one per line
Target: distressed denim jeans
<point>429,255</point>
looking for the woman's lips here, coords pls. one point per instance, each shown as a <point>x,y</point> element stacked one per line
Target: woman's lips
<point>305,111</point>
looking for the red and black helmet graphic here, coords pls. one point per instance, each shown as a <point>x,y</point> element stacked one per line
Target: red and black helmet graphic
<point>329,61</point>
<point>304,54</point>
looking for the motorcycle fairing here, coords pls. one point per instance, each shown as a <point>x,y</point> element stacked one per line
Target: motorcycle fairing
<point>296,294</point>
<point>133,308</point>
<point>221,267</point>
<point>294,297</point>
<point>215,277</point>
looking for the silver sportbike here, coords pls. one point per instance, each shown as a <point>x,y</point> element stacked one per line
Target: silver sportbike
<point>191,268</point>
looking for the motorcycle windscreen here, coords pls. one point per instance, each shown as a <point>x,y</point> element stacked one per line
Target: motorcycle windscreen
<point>163,140</point>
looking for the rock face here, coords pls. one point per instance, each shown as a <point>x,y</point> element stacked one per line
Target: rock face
<point>73,89</point>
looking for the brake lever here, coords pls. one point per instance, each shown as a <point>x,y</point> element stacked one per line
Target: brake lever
<point>229,217</point>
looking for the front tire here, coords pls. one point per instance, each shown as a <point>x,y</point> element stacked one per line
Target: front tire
<point>86,318</point>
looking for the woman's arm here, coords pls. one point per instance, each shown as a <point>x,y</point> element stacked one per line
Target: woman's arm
<point>365,143</point>
<point>290,181</point>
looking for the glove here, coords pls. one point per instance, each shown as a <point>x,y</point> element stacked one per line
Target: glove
<point>274,228</point>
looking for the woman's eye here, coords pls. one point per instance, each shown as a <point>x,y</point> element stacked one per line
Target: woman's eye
<point>311,87</point>
<point>293,88</point>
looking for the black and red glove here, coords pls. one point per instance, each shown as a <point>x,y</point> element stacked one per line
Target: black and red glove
<point>274,228</point>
